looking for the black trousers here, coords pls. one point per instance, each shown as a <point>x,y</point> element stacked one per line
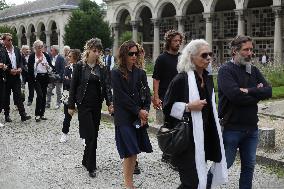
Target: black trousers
<point>2,90</point>
<point>41,90</point>
<point>31,86</point>
<point>67,120</point>
<point>13,84</point>
<point>89,121</point>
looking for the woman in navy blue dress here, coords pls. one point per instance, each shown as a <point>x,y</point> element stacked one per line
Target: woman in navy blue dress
<point>131,105</point>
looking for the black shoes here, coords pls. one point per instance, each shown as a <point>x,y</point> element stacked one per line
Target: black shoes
<point>93,173</point>
<point>25,118</point>
<point>137,170</point>
<point>37,118</point>
<point>8,119</point>
<point>29,103</point>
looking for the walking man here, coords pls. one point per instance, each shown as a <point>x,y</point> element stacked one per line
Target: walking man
<point>240,87</point>
<point>165,70</point>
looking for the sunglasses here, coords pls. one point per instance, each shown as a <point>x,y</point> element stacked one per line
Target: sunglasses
<point>9,39</point>
<point>133,53</point>
<point>205,55</point>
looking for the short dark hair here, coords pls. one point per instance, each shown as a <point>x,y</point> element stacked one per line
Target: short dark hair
<point>236,43</point>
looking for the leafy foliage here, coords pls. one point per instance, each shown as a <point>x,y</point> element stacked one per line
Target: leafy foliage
<point>3,5</point>
<point>6,29</point>
<point>86,23</point>
<point>125,37</point>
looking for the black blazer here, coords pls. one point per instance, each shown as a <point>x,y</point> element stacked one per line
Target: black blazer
<point>66,82</point>
<point>178,92</point>
<point>4,58</point>
<point>60,65</point>
<point>79,84</point>
<point>127,99</point>
<point>31,64</point>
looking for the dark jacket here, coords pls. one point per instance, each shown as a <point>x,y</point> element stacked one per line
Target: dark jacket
<point>19,62</point>
<point>232,77</point>
<point>79,83</point>
<point>178,92</point>
<point>31,64</point>
<point>127,98</point>
<point>4,58</point>
<point>60,66</point>
<point>67,81</point>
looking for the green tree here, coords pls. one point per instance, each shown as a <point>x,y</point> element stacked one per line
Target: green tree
<point>7,29</point>
<point>3,5</point>
<point>86,23</point>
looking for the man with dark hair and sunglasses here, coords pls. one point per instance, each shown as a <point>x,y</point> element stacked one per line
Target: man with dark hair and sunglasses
<point>240,87</point>
<point>13,81</point>
<point>165,70</point>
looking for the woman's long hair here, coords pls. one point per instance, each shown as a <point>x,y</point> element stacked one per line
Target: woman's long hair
<point>94,43</point>
<point>185,59</point>
<point>123,55</point>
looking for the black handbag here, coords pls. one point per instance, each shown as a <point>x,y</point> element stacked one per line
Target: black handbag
<point>176,140</point>
<point>53,76</point>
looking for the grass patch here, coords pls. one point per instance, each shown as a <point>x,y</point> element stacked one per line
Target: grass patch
<point>277,92</point>
<point>279,171</point>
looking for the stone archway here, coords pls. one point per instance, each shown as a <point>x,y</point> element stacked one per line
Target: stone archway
<point>54,34</point>
<point>22,31</point>
<point>124,21</point>
<point>41,32</point>
<point>31,34</point>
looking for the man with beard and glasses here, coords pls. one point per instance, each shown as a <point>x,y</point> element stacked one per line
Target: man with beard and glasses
<point>240,87</point>
<point>165,70</point>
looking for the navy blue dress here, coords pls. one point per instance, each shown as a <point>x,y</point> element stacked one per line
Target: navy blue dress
<point>127,104</point>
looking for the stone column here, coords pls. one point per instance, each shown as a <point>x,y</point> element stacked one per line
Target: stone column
<point>209,33</point>
<point>19,40</point>
<point>180,20</point>
<point>37,34</point>
<point>134,30</point>
<point>241,21</point>
<point>156,47</point>
<point>48,33</point>
<point>277,35</point>
<point>58,36</point>
<point>115,27</point>
<point>28,36</point>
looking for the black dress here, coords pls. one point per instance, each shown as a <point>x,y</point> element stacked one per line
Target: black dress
<point>127,104</point>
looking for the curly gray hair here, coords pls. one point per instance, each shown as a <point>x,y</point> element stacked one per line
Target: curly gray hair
<point>185,59</point>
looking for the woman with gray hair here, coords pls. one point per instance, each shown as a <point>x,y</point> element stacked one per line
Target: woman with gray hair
<point>39,63</point>
<point>191,95</point>
<point>90,85</point>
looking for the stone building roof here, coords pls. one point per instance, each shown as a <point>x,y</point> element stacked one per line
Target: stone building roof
<point>36,7</point>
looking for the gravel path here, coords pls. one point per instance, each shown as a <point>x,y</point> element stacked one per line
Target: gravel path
<point>32,157</point>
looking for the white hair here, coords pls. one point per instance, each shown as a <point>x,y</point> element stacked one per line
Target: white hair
<point>185,59</point>
<point>25,47</point>
<point>66,47</point>
<point>37,43</point>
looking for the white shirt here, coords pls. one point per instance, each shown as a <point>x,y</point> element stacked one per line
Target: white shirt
<point>263,59</point>
<point>42,66</point>
<point>12,57</point>
<point>54,60</point>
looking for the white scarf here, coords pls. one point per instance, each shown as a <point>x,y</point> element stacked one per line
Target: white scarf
<point>219,170</point>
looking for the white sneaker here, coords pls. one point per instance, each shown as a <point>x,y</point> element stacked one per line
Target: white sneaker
<point>64,138</point>
<point>83,142</point>
<point>1,125</point>
<point>57,107</point>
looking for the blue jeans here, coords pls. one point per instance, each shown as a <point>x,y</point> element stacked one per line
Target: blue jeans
<point>246,141</point>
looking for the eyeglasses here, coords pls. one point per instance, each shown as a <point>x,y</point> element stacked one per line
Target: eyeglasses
<point>205,55</point>
<point>9,39</point>
<point>133,53</point>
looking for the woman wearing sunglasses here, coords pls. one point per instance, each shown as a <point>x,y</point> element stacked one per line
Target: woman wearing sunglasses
<point>90,85</point>
<point>191,95</point>
<point>131,109</point>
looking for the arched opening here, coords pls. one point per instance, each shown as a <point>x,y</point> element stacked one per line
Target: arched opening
<point>54,34</point>
<point>41,31</point>
<point>194,24</point>
<point>33,35</point>
<point>125,28</point>
<point>261,26</point>
<point>225,27</point>
<point>146,31</point>
<point>23,37</point>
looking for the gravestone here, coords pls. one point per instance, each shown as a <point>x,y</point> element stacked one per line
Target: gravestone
<point>266,138</point>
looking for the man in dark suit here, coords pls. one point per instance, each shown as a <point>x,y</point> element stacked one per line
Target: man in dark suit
<point>13,79</point>
<point>58,62</point>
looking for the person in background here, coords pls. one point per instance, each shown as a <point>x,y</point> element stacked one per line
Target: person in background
<point>66,50</point>
<point>74,56</point>
<point>13,82</point>
<point>59,63</point>
<point>109,59</point>
<point>190,95</point>
<point>131,109</point>
<point>38,65</point>
<point>90,85</point>
<point>25,51</point>
<point>240,87</point>
<point>165,70</point>
<point>264,58</point>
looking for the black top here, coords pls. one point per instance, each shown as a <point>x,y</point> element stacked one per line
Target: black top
<point>93,93</point>
<point>178,91</point>
<point>232,77</point>
<point>165,70</point>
